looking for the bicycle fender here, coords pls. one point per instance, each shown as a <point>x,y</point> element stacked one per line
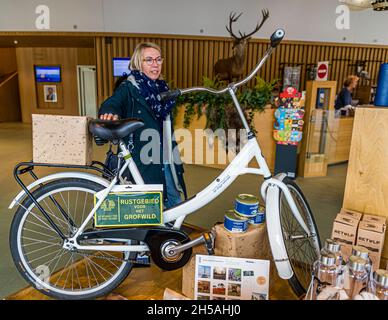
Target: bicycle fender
<point>56,176</point>
<point>275,235</point>
<point>278,180</point>
<point>280,177</point>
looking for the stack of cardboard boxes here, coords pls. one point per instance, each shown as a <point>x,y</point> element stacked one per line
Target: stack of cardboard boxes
<point>353,228</point>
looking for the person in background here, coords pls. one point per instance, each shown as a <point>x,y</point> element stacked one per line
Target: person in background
<point>138,97</point>
<point>344,98</point>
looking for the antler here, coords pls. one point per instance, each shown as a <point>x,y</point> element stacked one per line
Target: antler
<point>265,14</point>
<point>233,18</point>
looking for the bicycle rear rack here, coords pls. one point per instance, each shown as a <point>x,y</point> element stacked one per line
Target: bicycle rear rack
<point>25,167</point>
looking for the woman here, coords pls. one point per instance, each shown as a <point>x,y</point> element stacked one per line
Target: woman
<point>138,97</point>
<point>344,98</point>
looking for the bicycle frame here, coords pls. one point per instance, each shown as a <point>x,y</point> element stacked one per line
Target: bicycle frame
<point>270,189</point>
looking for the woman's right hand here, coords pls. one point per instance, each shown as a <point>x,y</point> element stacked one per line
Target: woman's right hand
<point>109,116</point>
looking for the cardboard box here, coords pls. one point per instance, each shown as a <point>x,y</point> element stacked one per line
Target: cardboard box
<point>61,139</point>
<point>351,213</point>
<point>345,232</point>
<point>371,236</point>
<point>375,219</point>
<point>345,229</point>
<point>188,273</point>
<point>250,244</point>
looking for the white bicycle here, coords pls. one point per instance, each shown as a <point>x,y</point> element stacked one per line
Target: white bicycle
<point>57,249</point>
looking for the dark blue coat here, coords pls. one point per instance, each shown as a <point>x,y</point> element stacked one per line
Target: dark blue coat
<point>126,102</point>
<point>344,98</point>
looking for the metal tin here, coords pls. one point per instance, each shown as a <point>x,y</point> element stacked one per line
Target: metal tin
<point>381,277</point>
<point>360,252</point>
<point>246,205</point>
<point>332,245</point>
<point>357,263</point>
<point>328,259</point>
<point>235,223</point>
<point>259,218</point>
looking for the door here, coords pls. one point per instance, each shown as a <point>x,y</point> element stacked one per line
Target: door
<point>320,99</point>
<point>87,93</point>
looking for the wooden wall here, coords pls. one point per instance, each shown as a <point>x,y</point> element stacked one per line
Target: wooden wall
<point>7,60</point>
<point>9,89</point>
<point>68,59</point>
<point>188,59</point>
<point>9,98</point>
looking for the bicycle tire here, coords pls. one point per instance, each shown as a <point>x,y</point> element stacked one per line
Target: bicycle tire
<point>26,268</point>
<point>308,253</point>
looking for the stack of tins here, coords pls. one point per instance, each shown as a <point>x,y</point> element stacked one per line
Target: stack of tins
<point>246,210</point>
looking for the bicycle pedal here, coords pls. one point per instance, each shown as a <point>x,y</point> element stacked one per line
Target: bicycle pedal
<point>209,243</point>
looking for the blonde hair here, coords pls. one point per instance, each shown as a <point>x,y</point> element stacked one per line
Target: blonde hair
<point>348,81</point>
<point>137,57</point>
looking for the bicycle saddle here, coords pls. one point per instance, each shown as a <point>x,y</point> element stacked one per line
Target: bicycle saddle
<point>115,129</point>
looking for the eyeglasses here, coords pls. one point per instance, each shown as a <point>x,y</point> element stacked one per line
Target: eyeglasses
<point>149,61</point>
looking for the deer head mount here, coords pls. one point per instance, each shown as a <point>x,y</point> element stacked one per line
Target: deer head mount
<point>233,67</point>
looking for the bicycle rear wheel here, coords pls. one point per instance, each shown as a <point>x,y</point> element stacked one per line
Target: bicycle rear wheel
<point>302,250</point>
<point>37,249</point>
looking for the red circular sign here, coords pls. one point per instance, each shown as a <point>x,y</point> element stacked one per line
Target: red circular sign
<point>322,71</point>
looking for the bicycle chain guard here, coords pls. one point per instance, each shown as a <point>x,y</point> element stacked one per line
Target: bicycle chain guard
<point>158,239</point>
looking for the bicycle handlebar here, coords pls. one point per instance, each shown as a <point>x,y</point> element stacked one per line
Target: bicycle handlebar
<point>277,37</point>
<point>275,40</point>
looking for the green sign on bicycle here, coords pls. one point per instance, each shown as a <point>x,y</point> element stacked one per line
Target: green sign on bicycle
<point>130,209</point>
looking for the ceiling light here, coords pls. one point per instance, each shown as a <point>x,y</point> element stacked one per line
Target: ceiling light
<point>357,5</point>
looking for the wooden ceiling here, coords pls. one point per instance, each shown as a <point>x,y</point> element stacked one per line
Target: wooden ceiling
<point>7,40</point>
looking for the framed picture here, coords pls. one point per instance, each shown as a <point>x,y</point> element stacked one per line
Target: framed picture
<point>50,93</point>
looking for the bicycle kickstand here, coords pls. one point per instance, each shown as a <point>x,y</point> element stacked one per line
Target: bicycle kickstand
<point>209,238</point>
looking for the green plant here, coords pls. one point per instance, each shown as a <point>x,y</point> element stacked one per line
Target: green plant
<point>219,109</point>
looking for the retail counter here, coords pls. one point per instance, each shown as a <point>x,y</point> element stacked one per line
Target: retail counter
<point>340,135</point>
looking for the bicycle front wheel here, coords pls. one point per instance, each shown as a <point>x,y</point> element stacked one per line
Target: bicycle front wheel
<point>302,250</point>
<point>38,252</point>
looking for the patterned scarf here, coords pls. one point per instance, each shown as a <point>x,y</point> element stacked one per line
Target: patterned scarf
<point>149,90</point>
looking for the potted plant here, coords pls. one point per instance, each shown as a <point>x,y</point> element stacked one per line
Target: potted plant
<point>219,109</point>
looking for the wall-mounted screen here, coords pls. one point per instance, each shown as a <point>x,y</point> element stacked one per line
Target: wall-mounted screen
<point>120,66</point>
<point>47,73</point>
